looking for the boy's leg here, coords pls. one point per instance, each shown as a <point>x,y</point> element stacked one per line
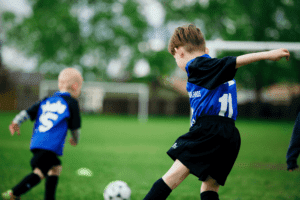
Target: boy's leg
<point>209,189</point>
<point>28,182</point>
<point>294,146</point>
<point>176,174</point>
<point>162,188</point>
<point>51,182</point>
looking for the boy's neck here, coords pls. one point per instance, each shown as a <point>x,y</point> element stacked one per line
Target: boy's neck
<point>195,54</point>
<point>190,56</point>
<point>66,90</point>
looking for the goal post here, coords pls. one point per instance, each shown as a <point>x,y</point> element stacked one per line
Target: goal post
<point>220,45</point>
<point>93,94</point>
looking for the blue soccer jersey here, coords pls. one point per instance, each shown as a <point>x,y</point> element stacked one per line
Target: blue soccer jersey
<point>53,117</point>
<point>211,87</point>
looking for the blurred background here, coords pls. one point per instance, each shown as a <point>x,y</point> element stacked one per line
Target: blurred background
<point>120,47</point>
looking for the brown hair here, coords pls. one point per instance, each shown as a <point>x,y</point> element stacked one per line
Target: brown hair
<point>188,36</point>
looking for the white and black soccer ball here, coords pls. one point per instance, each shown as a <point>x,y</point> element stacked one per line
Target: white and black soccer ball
<point>117,190</point>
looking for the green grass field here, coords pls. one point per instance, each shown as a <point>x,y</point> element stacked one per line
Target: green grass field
<point>120,148</point>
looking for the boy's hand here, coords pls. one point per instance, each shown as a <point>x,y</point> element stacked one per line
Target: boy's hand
<point>72,142</point>
<point>13,127</point>
<point>276,55</point>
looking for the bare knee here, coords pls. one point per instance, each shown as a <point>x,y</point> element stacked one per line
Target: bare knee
<point>176,174</point>
<point>210,184</point>
<point>55,171</point>
<point>38,172</point>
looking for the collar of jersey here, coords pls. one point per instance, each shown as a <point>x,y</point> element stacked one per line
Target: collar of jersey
<point>62,93</point>
<point>188,63</point>
<point>205,56</point>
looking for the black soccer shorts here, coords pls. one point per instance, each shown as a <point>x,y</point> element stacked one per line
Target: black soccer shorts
<point>210,148</point>
<point>44,160</point>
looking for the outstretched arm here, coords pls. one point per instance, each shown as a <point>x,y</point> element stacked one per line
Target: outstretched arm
<point>274,55</point>
<point>17,121</point>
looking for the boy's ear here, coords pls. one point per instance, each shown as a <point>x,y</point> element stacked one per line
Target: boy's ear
<point>181,54</point>
<point>180,51</point>
<point>75,86</point>
<point>206,50</point>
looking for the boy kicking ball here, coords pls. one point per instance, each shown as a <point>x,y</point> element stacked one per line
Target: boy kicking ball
<point>212,144</point>
<point>53,116</point>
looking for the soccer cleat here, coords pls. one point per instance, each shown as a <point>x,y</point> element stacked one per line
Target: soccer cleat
<point>8,195</point>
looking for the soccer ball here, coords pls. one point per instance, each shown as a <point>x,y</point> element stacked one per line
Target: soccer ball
<point>117,190</point>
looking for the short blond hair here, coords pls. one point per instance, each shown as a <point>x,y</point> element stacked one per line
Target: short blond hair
<point>69,76</point>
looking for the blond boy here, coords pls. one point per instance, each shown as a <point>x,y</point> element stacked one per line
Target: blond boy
<point>53,116</point>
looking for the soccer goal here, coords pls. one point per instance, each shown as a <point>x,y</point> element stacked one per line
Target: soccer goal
<point>219,45</point>
<point>93,94</point>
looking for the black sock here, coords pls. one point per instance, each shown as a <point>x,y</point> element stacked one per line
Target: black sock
<point>209,195</point>
<point>51,184</point>
<point>26,184</point>
<point>159,191</point>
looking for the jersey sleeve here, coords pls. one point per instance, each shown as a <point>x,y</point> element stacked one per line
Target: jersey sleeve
<point>33,111</point>
<point>75,119</point>
<point>210,73</point>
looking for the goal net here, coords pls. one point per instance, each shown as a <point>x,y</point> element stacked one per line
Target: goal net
<point>93,95</point>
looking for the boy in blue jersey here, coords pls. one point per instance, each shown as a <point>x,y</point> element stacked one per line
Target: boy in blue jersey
<point>53,117</point>
<point>211,146</point>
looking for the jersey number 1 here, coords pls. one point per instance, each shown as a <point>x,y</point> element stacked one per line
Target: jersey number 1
<point>226,100</point>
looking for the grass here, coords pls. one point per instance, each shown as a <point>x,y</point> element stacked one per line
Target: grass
<point>120,148</point>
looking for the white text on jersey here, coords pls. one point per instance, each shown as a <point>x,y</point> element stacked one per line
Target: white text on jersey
<point>195,94</point>
<point>54,107</point>
<point>49,113</point>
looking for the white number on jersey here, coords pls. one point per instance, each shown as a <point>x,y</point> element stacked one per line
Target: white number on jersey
<point>48,115</point>
<point>225,100</point>
<point>193,121</point>
<point>46,123</point>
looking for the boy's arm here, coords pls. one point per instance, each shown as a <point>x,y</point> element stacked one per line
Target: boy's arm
<point>17,121</point>
<point>74,123</point>
<point>23,116</point>
<point>274,55</point>
<point>75,137</point>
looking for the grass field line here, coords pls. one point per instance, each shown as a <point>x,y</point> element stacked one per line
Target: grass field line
<point>13,144</point>
<point>265,166</point>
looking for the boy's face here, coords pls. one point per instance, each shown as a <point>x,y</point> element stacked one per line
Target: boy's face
<point>182,57</point>
<point>179,57</point>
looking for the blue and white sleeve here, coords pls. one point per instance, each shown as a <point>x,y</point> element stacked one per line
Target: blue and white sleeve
<point>21,117</point>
